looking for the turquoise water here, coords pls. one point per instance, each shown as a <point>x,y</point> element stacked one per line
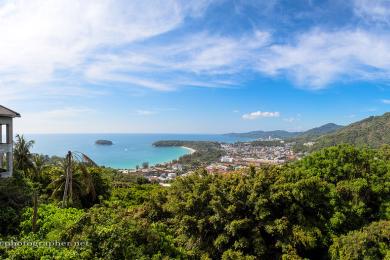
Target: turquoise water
<point>127,151</point>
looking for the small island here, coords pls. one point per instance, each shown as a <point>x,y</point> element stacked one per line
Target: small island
<point>104,142</point>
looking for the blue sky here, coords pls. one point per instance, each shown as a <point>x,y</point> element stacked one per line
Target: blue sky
<point>205,66</point>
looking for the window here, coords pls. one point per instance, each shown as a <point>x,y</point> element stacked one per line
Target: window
<point>3,134</point>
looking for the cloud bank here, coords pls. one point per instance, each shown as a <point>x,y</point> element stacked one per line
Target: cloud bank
<point>142,44</point>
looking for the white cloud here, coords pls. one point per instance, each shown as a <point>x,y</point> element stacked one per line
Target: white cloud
<point>219,55</point>
<point>260,114</point>
<point>373,10</point>
<point>319,58</point>
<point>103,42</point>
<point>40,38</point>
<point>195,60</point>
<point>386,101</point>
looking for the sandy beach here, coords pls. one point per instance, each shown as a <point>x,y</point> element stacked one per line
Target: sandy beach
<point>189,149</point>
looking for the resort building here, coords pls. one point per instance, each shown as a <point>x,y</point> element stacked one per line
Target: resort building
<point>227,159</point>
<point>6,141</point>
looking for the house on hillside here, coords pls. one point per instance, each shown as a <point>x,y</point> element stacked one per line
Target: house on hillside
<point>6,141</point>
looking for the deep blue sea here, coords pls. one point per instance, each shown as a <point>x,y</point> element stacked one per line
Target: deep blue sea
<point>127,151</point>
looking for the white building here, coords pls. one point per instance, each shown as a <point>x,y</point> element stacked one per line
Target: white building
<point>226,159</point>
<point>172,175</point>
<point>6,141</point>
<point>177,167</point>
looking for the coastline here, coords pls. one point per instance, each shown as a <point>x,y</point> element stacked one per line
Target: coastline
<point>128,150</point>
<point>189,149</point>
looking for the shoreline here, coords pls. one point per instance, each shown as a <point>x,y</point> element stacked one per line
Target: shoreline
<point>189,149</point>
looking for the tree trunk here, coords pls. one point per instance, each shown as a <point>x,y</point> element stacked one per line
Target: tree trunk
<point>68,173</point>
<point>70,179</point>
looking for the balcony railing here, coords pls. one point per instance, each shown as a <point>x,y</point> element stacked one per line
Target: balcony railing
<point>5,148</point>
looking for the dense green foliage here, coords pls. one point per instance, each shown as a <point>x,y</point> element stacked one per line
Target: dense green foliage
<point>15,195</point>
<point>281,212</point>
<point>371,242</point>
<point>333,204</point>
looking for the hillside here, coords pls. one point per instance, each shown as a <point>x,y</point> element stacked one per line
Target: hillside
<point>373,131</point>
<point>282,134</point>
<point>317,131</point>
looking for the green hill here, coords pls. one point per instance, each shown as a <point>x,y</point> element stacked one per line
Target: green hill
<point>282,134</point>
<point>325,129</point>
<point>373,132</point>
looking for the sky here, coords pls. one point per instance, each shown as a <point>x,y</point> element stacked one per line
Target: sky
<point>204,66</point>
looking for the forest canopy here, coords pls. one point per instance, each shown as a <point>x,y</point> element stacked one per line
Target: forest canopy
<point>332,204</point>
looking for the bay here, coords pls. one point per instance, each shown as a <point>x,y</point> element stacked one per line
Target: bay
<point>127,151</point>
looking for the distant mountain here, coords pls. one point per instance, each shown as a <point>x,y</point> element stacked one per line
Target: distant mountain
<point>318,131</point>
<point>328,128</point>
<point>266,134</point>
<point>373,131</point>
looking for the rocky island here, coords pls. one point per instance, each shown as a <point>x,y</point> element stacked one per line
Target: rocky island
<point>104,142</point>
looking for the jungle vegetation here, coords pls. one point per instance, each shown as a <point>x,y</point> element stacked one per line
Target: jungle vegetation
<point>332,204</point>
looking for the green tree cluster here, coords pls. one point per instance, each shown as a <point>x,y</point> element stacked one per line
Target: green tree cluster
<point>333,204</point>
<point>294,211</point>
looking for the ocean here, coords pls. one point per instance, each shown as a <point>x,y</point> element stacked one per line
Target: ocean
<point>127,151</point>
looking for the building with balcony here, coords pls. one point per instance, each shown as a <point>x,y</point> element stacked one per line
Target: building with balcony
<point>6,141</point>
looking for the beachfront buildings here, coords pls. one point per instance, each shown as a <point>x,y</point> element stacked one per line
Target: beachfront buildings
<point>6,140</point>
<point>235,156</point>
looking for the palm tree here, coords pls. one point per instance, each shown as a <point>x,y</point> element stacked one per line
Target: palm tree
<point>29,163</point>
<point>76,180</point>
<point>38,163</point>
<point>22,154</point>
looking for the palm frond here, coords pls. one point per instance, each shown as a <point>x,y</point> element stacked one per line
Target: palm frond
<point>76,179</point>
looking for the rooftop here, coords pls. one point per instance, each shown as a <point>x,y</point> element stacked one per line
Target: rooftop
<point>6,112</point>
